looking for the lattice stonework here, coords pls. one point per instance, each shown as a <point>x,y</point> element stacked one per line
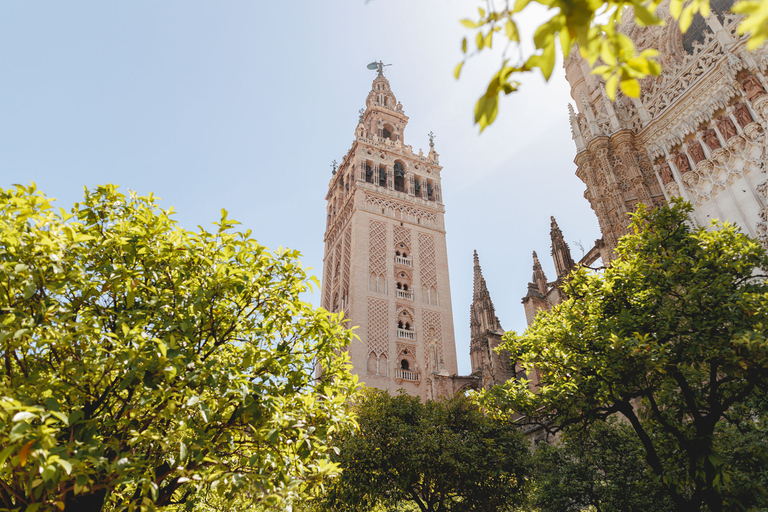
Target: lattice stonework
<point>432,330</point>
<point>427,260</point>
<point>378,249</point>
<point>337,265</point>
<point>399,210</point>
<point>345,264</point>
<point>402,236</point>
<point>327,283</point>
<point>377,326</point>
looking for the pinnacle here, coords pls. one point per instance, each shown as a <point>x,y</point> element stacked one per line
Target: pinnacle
<point>478,287</point>
<point>555,232</point>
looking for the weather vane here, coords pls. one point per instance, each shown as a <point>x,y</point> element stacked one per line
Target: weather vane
<point>431,138</point>
<point>334,164</point>
<point>378,66</point>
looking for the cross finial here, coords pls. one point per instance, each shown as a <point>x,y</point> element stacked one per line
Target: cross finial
<point>431,139</point>
<point>334,164</point>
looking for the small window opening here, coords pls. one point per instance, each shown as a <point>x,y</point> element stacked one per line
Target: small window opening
<point>399,177</point>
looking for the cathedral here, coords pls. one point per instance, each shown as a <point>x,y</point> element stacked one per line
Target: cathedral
<point>697,131</point>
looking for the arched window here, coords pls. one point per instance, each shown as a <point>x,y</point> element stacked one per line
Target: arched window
<point>382,176</point>
<point>368,173</point>
<point>400,324</point>
<point>404,364</point>
<point>386,131</point>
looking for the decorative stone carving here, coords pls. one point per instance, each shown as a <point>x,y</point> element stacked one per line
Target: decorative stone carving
<point>696,152</point>
<point>710,138</point>
<point>666,174</point>
<point>752,87</point>
<point>681,161</point>
<point>742,114</point>
<point>726,127</point>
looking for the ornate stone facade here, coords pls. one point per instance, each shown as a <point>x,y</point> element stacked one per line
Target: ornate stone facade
<point>697,131</point>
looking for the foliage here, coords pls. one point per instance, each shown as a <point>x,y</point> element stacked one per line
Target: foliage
<point>142,362</point>
<point>439,455</point>
<point>593,26</point>
<point>601,467</point>
<point>743,442</point>
<point>672,335</point>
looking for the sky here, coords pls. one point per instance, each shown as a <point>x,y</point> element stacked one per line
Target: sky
<point>244,104</point>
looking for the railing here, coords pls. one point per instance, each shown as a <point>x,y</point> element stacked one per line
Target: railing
<point>403,294</point>
<point>406,374</point>
<point>402,260</point>
<point>406,334</point>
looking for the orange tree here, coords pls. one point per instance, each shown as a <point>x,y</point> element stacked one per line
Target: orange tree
<point>436,456</point>
<point>142,362</point>
<point>672,336</point>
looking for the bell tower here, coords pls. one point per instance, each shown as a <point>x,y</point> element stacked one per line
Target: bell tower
<point>385,262</point>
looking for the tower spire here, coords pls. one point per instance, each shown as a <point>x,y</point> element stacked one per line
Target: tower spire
<point>482,312</point>
<point>561,253</point>
<point>539,278</point>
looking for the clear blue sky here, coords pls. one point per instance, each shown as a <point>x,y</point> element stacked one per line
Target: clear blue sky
<point>244,104</point>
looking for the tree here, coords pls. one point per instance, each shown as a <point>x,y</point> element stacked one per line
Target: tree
<point>672,336</point>
<point>593,27</point>
<point>601,468</point>
<point>142,362</point>
<point>439,455</point>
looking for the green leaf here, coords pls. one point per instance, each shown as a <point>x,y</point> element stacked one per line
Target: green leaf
<point>610,87</point>
<point>457,69</point>
<point>23,416</point>
<point>630,87</point>
<point>66,465</point>
<point>511,30</point>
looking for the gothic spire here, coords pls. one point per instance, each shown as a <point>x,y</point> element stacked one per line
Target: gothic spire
<point>561,253</point>
<point>482,313</point>
<point>478,286</point>
<point>539,278</point>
